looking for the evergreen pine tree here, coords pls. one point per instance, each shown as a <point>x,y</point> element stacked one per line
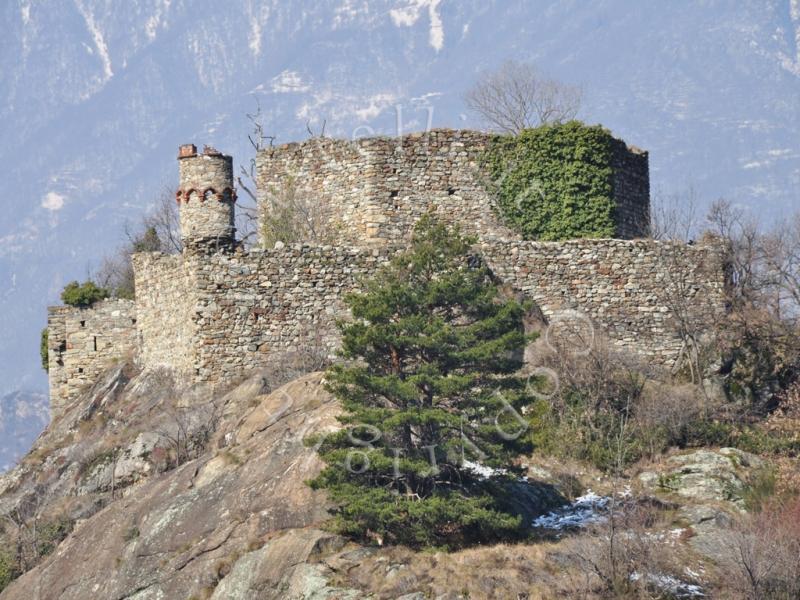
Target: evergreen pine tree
<point>429,390</point>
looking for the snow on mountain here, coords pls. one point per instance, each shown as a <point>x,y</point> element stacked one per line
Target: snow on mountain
<point>96,95</point>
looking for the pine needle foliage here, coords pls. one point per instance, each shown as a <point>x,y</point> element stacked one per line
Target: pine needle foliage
<point>429,387</point>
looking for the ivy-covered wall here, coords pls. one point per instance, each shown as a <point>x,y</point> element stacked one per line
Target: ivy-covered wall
<point>569,181</point>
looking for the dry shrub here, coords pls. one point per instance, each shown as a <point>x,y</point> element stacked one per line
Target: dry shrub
<point>666,414</point>
<point>283,367</point>
<point>501,572</point>
<point>630,555</point>
<point>291,214</point>
<point>763,560</point>
<point>588,414</point>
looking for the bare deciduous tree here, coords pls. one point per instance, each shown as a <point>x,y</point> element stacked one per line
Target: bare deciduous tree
<point>290,214</point>
<point>158,231</point>
<point>763,554</point>
<point>247,208</point>
<point>517,96</point>
<point>674,216</point>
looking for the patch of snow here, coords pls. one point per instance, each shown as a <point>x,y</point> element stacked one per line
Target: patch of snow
<point>672,585</point>
<point>287,82</point>
<point>25,12</point>
<point>97,37</point>
<point>755,164</point>
<point>409,14</point>
<point>349,11</point>
<point>376,105</point>
<point>424,101</point>
<point>483,470</point>
<point>258,15</point>
<point>53,201</point>
<point>585,510</point>
<point>668,537</point>
<point>338,107</point>
<point>157,19</point>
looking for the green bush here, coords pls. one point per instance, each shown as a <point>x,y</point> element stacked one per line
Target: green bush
<point>554,182</point>
<point>52,534</point>
<point>9,569</point>
<point>44,351</point>
<point>603,438</point>
<point>83,295</point>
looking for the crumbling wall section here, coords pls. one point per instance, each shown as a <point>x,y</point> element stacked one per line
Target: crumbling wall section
<point>373,190</point>
<point>83,342</point>
<point>644,296</point>
<point>631,184</point>
<point>166,297</point>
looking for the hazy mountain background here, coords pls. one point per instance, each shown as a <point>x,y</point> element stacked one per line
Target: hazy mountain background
<point>96,96</point>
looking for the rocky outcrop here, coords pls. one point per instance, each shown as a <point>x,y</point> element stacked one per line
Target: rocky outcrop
<point>182,532</point>
<point>705,475</point>
<point>711,487</point>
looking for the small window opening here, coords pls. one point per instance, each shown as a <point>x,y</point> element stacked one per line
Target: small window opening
<point>83,323</point>
<point>80,369</point>
<point>133,321</point>
<point>94,342</point>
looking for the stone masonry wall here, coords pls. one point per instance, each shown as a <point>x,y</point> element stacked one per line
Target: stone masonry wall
<point>216,312</point>
<point>631,183</point>
<point>633,291</point>
<point>166,294</point>
<point>267,302</point>
<point>374,189</point>
<point>206,197</point>
<point>83,342</point>
<point>220,315</point>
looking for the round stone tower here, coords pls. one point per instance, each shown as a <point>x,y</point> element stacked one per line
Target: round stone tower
<point>206,199</point>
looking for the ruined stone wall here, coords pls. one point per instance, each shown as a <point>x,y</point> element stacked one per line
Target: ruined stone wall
<point>216,311</point>
<point>639,294</point>
<point>631,184</point>
<point>273,301</point>
<point>83,342</point>
<point>374,189</point>
<point>219,315</point>
<point>166,294</point>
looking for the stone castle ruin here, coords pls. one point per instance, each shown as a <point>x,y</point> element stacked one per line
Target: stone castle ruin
<point>217,309</point>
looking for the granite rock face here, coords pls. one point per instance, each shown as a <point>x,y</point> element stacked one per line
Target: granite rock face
<point>705,475</point>
<point>182,532</point>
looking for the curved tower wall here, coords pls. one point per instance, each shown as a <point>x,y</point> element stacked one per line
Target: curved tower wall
<point>206,198</point>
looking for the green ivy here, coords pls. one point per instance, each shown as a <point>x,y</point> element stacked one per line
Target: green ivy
<point>554,182</point>
<point>43,349</point>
